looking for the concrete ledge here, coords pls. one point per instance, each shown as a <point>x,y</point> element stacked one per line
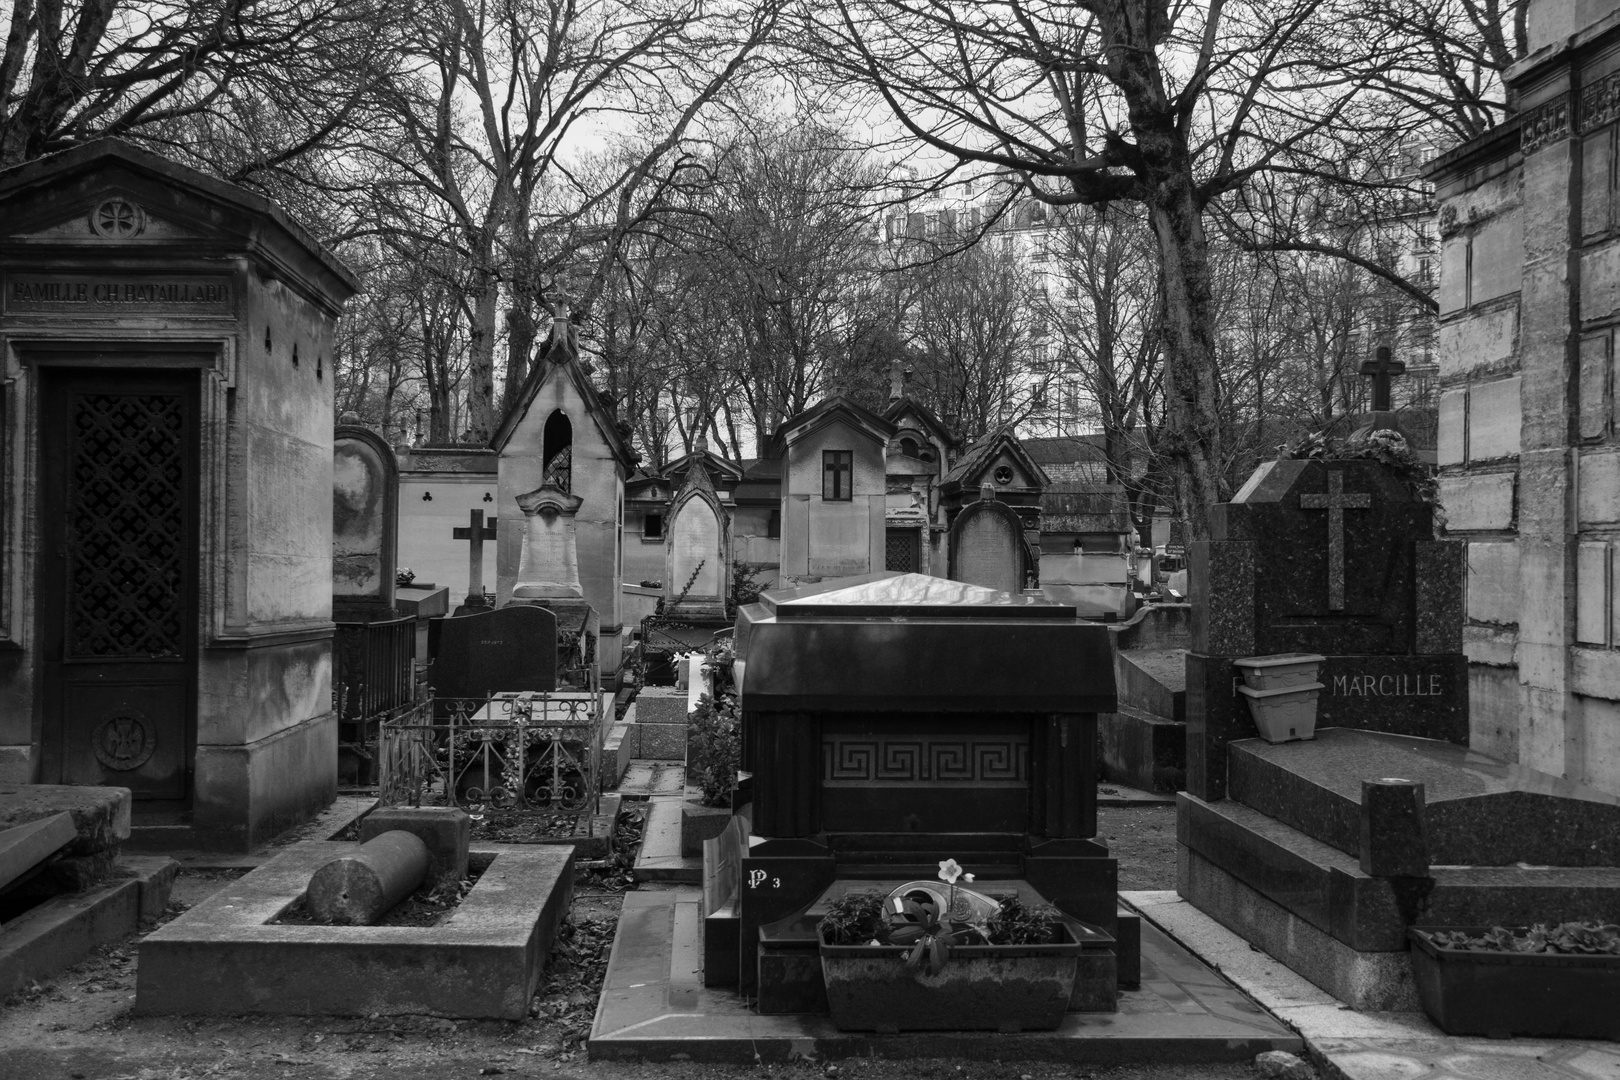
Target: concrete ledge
<point>700,823</point>
<point>1362,980</point>
<point>660,857</point>
<point>223,957</point>
<point>62,931</point>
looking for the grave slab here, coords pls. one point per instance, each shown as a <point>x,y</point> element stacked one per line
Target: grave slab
<point>654,1007</point>
<point>1480,812</point>
<point>24,847</point>
<point>60,932</point>
<point>223,957</point>
<point>101,815</point>
<point>660,857</point>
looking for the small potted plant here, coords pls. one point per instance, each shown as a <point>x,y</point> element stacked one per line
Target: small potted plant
<point>924,959</point>
<point>1540,981</point>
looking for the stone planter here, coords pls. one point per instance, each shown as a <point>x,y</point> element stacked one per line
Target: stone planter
<point>1284,714</point>
<point>982,988</point>
<point>1280,671</point>
<point>1502,994</point>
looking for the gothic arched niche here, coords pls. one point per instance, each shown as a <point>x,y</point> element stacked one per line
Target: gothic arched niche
<point>557,448</point>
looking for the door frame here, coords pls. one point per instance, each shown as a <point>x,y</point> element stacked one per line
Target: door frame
<point>27,354</point>
<point>56,384</point>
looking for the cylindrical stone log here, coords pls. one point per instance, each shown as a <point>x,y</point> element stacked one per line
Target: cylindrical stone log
<point>355,890</point>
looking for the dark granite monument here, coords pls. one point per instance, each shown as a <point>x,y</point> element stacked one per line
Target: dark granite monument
<point>1330,557</point>
<point>509,649</point>
<point>891,721</point>
<point>1324,853</point>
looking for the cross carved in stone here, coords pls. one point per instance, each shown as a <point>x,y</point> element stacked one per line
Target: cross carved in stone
<point>1336,502</point>
<point>475,534</point>
<point>1382,370</point>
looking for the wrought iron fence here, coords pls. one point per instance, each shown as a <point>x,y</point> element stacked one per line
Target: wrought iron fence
<point>524,751</point>
<point>374,674</point>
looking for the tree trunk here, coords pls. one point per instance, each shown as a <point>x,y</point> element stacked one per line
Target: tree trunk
<point>481,418</point>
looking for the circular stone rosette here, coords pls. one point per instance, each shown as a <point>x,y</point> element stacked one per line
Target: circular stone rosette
<point>124,740</point>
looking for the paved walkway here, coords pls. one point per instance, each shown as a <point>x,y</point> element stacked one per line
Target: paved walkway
<point>1350,1045</point>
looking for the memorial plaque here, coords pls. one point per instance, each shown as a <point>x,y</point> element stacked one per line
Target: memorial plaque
<point>118,295</point>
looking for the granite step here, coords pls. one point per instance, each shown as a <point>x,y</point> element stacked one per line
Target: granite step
<point>1325,887</point>
<point>1480,811</point>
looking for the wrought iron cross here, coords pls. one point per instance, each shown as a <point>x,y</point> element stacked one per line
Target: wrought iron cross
<point>475,534</point>
<point>1382,370</point>
<point>1336,502</point>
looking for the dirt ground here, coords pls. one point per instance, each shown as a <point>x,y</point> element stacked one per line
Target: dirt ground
<point>78,1026</point>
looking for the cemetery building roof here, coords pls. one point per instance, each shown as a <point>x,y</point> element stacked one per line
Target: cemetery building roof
<point>978,457</point>
<point>1064,449</point>
<point>916,643</point>
<point>449,459</point>
<point>834,408</point>
<point>722,470</point>
<point>903,409</point>
<point>285,236</point>
<point>566,361</point>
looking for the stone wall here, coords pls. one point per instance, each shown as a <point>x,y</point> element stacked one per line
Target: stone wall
<point>1529,454</point>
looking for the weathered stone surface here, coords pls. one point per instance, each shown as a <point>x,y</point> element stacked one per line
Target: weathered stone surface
<point>356,888</point>
<point>1453,444</point>
<point>446,830</point>
<point>1592,593</point>
<point>100,814</point>
<point>1281,1065</point>
<point>1493,582</point>
<point>1475,503</point>
<point>1498,259</point>
<point>1477,342</point>
<point>1594,385</point>
<point>1599,489</point>
<point>224,957</point>
<point>1493,420</point>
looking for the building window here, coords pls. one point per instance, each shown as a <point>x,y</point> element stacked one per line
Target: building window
<point>835,475</point>
<point>652,527</point>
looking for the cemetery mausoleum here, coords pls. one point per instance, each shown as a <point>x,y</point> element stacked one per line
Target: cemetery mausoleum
<point>1529,449</point>
<point>166,493</point>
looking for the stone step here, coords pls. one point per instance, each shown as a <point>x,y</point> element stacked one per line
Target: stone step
<point>1480,811</point>
<point>660,857</point>
<point>1325,887</point>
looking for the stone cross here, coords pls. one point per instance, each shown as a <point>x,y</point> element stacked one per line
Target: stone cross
<point>475,534</point>
<point>1336,502</point>
<point>1381,370</point>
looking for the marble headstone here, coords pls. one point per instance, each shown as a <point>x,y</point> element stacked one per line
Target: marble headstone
<point>1330,557</point>
<point>987,545</point>
<point>365,522</point>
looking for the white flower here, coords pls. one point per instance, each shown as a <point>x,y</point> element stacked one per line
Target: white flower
<point>949,871</point>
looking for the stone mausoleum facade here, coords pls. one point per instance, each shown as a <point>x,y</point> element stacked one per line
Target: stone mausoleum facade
<point>166,368</point>
<point>1529,447</point>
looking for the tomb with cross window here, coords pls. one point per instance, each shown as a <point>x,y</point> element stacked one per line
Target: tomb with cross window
<point>1332,557</point>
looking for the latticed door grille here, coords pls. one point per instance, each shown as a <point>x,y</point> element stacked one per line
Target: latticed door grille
<point>560,470</point>
<point>900,552</point>
<point>126,518</point>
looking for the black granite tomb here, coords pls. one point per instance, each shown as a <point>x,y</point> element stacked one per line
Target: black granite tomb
<point>894,720</point>
<point>506,650</point>
<point>1330,557</point>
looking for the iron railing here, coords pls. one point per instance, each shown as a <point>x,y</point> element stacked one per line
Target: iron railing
<point>523,751</point>
<point>373,675</point>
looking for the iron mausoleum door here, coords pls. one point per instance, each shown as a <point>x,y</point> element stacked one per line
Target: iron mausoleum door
<point>118,588</point>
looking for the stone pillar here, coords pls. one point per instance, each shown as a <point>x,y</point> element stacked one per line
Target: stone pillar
<point>549,565</point>
<point>1549,309</point>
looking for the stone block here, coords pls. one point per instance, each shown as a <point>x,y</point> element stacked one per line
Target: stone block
<point>1599,502</point>
<point>1496,263</point>
<point>661,742</point>
<point>1394,834</point>
<point>1453,295</point>
<point>1477,342</point>
<point>156,874</point>
<point>23,847</point>
<point>1143,751</point>
<point>700,823</point>
<point>1452,447</point>
<point>1494,420</point>
<point>1439,581</point>
<point>1362,980</point>
<point>1493,582</point>
<point>447,832</point>
<point>100,814</point>
<point>226,957</point>
<point>1592,593</point>
<point>1477,503</point>
<point>1600,279</point>
<point>1493,719</point>
<point>1594,385</point>
<point>1223,619</point>
<point>661,705</point>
